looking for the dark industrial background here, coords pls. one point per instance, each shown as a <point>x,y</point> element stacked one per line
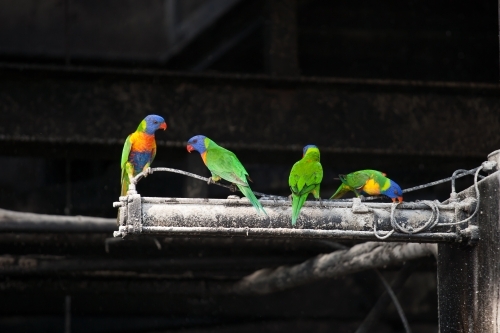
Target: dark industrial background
<point>406,87</point>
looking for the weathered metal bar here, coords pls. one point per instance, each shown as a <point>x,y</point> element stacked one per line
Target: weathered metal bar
<point>469,277</point>
<point>326,219</point>
<point>368,255</point>
<point>29,222</point>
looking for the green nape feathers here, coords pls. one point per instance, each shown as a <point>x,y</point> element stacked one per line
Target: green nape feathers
<point>305,177</point>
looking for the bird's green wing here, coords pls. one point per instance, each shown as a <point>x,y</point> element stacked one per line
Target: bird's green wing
<point>123,164</point>
<point>343,189</point>
<point>305,176</point>
<point>378,176</point>
<point>125,154</point>
<point>226,165</point>
<point>356,179</point>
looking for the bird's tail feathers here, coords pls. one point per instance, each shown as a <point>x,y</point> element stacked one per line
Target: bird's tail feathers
<point>247,192</point>
<point>343,189</point>
<point>125,183</point>
<point>297,203</point>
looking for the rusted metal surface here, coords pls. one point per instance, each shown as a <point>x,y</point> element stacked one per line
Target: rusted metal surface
<point>255,112</point>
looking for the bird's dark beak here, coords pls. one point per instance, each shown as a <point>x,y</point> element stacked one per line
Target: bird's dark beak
<point>189,148</point>
<point>163,126</point>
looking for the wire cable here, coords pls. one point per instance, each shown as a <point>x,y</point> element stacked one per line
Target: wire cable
<point>148,171</point>
<point>437,182</point>
<point>395,301</point>
<point>478,197</point>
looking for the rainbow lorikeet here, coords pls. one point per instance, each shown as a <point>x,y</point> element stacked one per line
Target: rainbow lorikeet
<point>224,164</point>
<point>305,178</point>
<point>371,182</point>
<point>139,149</point>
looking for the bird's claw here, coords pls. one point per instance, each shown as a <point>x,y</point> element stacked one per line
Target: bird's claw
<point>210,181</point>
<point>146,172</point>
<point>232,188</point>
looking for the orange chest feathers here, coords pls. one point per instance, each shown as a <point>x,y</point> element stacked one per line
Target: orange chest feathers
<point>142,142</point>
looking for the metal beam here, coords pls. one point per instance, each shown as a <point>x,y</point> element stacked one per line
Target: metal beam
<point>101,106</point>
<point>469,277</point>
<point>29,222</point>
<point>327,219</point>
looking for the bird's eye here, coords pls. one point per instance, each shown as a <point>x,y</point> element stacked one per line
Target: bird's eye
<point>195,141</point>
<point>155,122</point>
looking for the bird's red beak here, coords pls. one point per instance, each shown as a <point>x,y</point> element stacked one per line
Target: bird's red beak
<point>400,199</point>
<point>189,148</point>
<point>163,126</point>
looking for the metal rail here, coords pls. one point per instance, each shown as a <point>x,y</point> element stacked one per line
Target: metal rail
<point>327,219</point>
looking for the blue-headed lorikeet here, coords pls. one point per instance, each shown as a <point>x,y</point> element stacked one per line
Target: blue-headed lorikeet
<point>224,164</point>
<point>371,182</point>
<point>305,177</point>
<point>139,149</point>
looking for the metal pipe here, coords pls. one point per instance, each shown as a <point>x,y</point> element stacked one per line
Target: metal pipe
<point>237,217</point>
<point>29,222</point>
<point>297,233</point>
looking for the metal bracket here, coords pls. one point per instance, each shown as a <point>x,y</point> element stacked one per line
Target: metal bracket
<point>358,207</point>
<point>471,233</point>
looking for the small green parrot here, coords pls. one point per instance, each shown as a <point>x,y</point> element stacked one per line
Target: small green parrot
<point>305,178</point>
<point>371,182</point>
<point>224,164</point>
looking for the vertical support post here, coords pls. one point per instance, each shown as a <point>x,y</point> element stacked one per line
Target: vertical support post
<point>134,213</point>
<point>469,276</point>
<point>281,37</point>
<point>67,314</point>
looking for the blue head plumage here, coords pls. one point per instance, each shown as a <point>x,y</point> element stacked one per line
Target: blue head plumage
<point>197,143</point>
<point>394,191</point>
<point>306,148</point>
<point>152,123</point>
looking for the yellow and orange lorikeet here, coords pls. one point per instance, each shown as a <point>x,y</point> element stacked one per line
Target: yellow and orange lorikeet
<point>371,182</point>
<point>139,149</point>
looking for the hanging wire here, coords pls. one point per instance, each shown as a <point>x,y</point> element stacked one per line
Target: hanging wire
<point>434,219</point>
<point>395,301</point>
